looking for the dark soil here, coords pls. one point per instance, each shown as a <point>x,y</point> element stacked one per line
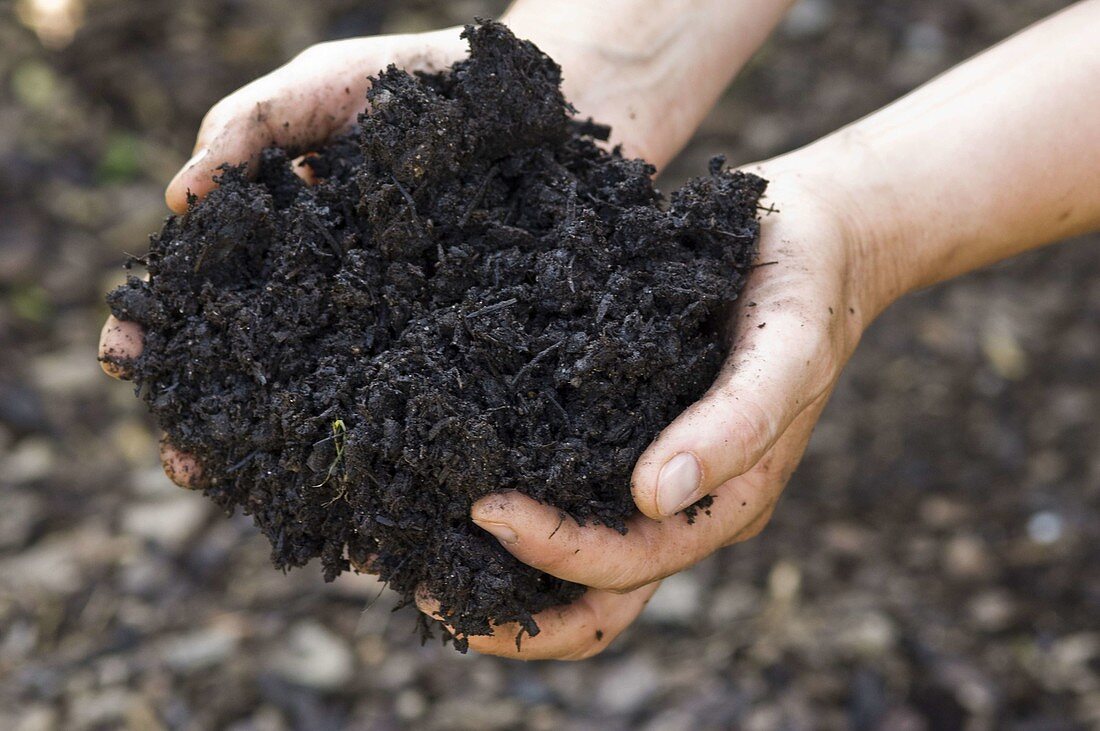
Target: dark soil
<point>474,297</point>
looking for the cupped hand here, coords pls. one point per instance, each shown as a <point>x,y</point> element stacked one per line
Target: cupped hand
<point>318,94</point>
<point>797,322</point>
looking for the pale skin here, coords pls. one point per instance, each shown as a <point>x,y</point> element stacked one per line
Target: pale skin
<point>1000,155</point>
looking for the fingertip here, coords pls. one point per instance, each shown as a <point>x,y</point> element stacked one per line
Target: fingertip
<point>646,476</point>
<point>495,507</point>
<point>300,166</point>
<point>194,178</point>
<point>426,603</point>
<point>182,469</point>
<point>120,342</point>
<point>365,565</point>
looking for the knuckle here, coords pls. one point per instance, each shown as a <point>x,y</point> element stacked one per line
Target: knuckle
<point>552,558</point>
<point>753,529</point>
<point>625,587</point>
<point>588,650</point>
<point>217,117</point>
<point>634,566</point>
<point>749,427</point>
<point>314,53</point>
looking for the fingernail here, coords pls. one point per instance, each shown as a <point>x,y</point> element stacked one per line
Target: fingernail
<point>501,532</point>
<point>677,483</point>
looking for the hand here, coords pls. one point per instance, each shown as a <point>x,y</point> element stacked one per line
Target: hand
<point>993,158</point>
<point>318,94</point>
<point>797,323</point>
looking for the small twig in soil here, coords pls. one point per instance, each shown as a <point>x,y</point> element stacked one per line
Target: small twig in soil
<point>571,204</point>
<point>534,362</point>
<point>561,410</point>
<point>476,200</point>
<point>603,307</point>
<point>336,249</point>
<point>492,308</point>
<point>243,462</point>
<point>412,206</point>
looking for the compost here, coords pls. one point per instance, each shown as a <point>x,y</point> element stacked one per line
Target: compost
<point>474,296</point>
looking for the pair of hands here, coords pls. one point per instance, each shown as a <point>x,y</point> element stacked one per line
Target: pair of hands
<point>797,323</point>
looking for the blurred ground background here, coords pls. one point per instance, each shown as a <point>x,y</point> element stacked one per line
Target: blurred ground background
<point>935,563</point>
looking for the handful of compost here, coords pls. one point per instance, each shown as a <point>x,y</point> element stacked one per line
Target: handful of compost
<point>474,296</point>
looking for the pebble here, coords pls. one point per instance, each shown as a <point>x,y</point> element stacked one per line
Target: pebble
<point>672,720</point>
<point>400,669</point>
<point>460,713</point>
<point>67,373</point>
<point>1045,528</point>
<point>808,19</point>
<point>313,657</point>
<point>51,567</point>
<point>409,705</point>
<point>19,515</point>
<point>734,603</point>
<point>677,601</point>
<point>31,459</point>
<point>941,512</point>
<point>103,709</point>
<point>925,39</point>
<point>967,557</point>
<point>200,649</point>
<point>264,719</point>
<point>869,633</point>
<point>152,482</point>
<point>169,523</point>
<point>1004,353</point>
<point>784,581</point>
<point>38,718</point>
<point>626,686</point>
<point>992,611</point>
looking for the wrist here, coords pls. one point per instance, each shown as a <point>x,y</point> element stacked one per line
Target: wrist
<point>834,178</point>
<point>608,70</point>
<point>650,70</point>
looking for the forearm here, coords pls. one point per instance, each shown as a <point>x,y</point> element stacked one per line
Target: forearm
<point>1000,155</point>
<point>650,70</point>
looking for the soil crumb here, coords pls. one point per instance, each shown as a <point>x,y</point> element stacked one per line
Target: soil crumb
<point>474,297</point>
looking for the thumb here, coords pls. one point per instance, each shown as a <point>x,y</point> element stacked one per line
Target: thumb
<point>780,365</point>
<point>294,107</point>
<point>303,103</point>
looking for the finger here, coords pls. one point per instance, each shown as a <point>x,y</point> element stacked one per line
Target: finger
<point>782,361</point>
<point>601,557</point>
<point>302,169</point>
<point>364,565</point>
<point>295,106</point>
<point>572,632</point>
<point>181,468</point>
<point>301,104</point>
<point>120,342</point>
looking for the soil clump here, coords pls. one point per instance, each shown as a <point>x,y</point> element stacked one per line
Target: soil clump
<point>474,297</point>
